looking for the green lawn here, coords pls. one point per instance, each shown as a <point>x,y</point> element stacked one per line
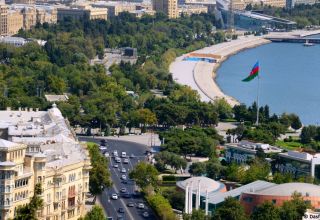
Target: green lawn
<point>293,145</point>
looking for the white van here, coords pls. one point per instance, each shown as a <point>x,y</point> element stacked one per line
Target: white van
<point>123,154</point>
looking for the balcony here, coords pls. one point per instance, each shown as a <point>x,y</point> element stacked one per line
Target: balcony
<point>72,194</point>
<point>71,206</point>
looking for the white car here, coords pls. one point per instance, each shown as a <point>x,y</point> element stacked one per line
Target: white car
<point>106,154</point>
<point>115,165</point>
<point>102,148</point>
<point>123,154</point>
<point>124,177</point>
<point>126,160</point>
<point>118,160</point>
<point>141,206</point>
<point>115,153</point>
<point>123,170</point>
<point>114,196</point>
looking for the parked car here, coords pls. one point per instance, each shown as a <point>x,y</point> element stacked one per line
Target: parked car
<point>114,196</point>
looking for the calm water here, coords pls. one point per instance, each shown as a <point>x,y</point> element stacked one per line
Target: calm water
<point>289,78</point>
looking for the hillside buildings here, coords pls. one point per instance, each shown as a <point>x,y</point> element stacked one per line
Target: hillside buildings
<point>299,164</point>
<point>39,147</point>
<point>24,16</point>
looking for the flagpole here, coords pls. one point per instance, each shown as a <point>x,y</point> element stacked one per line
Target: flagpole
<point>257,122</point>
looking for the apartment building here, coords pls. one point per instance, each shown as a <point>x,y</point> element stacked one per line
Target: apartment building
<point>169,7</point>
<point>192,9</point>
<point>115,8</point>
<point>24,16</point>
<point>81,11</point>
<point>39,147</point>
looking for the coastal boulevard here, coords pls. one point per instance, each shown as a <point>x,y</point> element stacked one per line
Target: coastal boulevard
<point>112,206</point>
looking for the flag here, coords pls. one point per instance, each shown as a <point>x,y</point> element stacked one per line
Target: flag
<point>254,72</point>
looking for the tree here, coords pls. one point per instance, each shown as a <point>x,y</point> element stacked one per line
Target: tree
<point>29,211</point>
<point>196,215</point>
<point>197,169</point>
<point>295,208</point>
<point>96,213</point>
<point>259,170</point>
<point>266,211</point>
<point>161,206</point>
<point>173,160</point>
<point>308,133</point>
<point>99,174</point>
<point>295,122</point>
<point>231,209</point>
<point>144,174</point>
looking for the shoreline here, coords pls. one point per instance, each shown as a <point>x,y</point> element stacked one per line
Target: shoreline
<point>217,66</point>
<point>201,76</point>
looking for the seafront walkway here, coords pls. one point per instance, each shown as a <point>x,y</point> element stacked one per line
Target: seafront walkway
<point>200,75</point>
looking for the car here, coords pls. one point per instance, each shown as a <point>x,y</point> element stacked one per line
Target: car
<point>106,154</point>
<point>118,160</point>
<point>102,148</point>
<point>124,182</point>
<point>123,154</point>
<point>140,205</point>
<point>114,196</point>
<point>123,177</point>
<point>130,204</point>
<point>126,195</point>
<point>115,165</point>
<point>145,214</point>
<point>132,156</point>
<point>123,170</point>
<point>103,142</point>
<point>120,217</point>
<point>121,210</point>
<point>123,190</point>
<point>115,153</point>
<point>126,160</point>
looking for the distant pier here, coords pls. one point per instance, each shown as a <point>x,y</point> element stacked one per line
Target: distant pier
<point>294,39</point>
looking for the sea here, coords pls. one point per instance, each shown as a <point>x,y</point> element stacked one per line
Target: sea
<point>289,79</point>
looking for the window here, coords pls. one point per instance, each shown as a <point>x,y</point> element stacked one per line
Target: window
<point>274,201</point>
<point>248,199</point>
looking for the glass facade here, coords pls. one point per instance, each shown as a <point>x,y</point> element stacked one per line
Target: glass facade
<point>294,167</point>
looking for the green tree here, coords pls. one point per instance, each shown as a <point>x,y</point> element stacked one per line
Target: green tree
<point>295,122</point>
<point>96,213</point>
<point>197,169</point>
<point>196,215</point>
<point>231,209</point>
<point>144,174</point>
<point>295,208</point>
<point>99,174</point>
<point>29,211</point>
<point>266,211</point>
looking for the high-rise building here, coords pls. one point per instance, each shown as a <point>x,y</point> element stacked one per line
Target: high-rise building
<point>40,147</point>
<point>3,19</point>
<point>169,7</point>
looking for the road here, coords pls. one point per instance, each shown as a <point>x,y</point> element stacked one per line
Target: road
<point>111,206</point>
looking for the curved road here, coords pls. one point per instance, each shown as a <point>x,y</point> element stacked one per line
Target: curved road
<point>112,206</point>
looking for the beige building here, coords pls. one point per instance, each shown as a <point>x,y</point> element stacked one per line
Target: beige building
<point>15,22</point>
<point>27,2</point>
<point>78,11</point>
<point>241,4</point>
<point>41,148</point>
<point>23,16</point>
<point>115,8</point>
<point>192,9</point>
<point>169,7</point>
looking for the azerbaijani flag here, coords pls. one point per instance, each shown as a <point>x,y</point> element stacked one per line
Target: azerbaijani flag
<point>254,72</point>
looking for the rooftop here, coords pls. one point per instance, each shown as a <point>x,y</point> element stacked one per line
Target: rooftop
<point>219,197</point>
<point>287,189</point>
<point>253,147</point>
<point>205,184</point>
